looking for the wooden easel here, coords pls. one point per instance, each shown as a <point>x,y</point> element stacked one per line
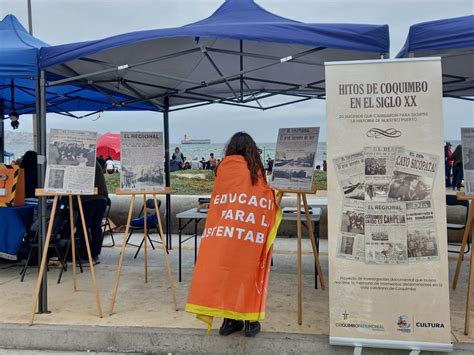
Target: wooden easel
<point>44,257</point>
<point>167,190</point>
<point>301,201</point>
<point>467,231</point>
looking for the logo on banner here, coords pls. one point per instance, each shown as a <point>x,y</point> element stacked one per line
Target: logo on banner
<point>435,325</point>
<point>403,324</point>
<point>358,323</point>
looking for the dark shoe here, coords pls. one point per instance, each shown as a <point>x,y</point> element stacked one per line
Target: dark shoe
<point>252,328</point>
<point>230,326</point>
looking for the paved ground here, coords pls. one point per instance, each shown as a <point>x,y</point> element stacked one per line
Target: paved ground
<point>149,305</point>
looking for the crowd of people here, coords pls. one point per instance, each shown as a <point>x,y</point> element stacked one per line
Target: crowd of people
<point>453,166</point>
<point>180,162</point>
<point>71,154</point>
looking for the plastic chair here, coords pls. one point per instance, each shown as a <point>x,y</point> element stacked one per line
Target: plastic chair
<point>138,224</point>
<point>451,200</point>
<point>106,224</point>
<point>56,243</point>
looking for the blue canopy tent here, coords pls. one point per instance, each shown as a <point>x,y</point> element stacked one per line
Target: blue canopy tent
<point>242,55</point>
<point>19,92</point>
<point>19,53</point>
<point>453,40</point>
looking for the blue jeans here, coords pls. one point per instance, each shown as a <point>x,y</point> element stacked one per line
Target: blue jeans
<point>458,175</point>
<point>447,174</point>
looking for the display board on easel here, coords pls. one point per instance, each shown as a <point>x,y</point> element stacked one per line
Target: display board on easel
<point>142,175</point>
<point>71,162</point>
<point>467,142</point>
<point>388,262</point>
<point>142,161</point>
<point>70,172</point>
<point>292,174</point>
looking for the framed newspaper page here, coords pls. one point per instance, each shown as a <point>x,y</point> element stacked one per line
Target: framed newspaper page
<point>467,142</point>
<point>71,162</point>
<point>142,157</point>
<point>295,156</point>
<point>388,265</point>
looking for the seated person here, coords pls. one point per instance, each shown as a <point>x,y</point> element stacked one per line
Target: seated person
<point>29,164</point>
<point>178,157</point>
<point>94,209</point>
<point>109,165</point>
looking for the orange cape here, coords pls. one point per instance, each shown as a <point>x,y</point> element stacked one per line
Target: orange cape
<point>230,278</point>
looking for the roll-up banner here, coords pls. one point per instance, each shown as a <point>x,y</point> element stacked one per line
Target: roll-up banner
<point>388,264</point>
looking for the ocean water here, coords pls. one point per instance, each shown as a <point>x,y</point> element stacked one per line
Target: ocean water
<point>198,151</point>
<point>20,142</point>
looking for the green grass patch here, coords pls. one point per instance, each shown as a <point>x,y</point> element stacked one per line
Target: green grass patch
<point>200,182</point>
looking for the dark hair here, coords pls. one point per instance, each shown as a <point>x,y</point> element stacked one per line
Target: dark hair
<point>242,144</point>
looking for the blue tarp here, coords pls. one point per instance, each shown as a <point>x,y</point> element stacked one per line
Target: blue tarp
<point>18,50</point>
<point>241,20</point>
<point>19,53</point>
<point>453,40</point>
<point>441,35</point>
<point>240,55</point>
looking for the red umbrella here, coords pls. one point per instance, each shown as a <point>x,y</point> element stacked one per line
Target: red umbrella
<point>109,144</point>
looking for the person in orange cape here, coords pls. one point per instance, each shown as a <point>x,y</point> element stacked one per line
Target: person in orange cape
<point>230,278</point>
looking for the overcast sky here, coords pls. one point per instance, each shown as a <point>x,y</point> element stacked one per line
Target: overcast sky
<point>65,21</point>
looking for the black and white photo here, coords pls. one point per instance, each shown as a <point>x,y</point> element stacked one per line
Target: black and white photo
<point>350,174</point>
<point>71,161</point>
<point>295,158</point>
<point>142,161</point>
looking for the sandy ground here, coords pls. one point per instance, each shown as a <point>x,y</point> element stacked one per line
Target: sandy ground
<point>150,304</point>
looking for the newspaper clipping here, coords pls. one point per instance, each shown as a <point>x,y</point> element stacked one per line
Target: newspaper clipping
<point>351,238</point>
<point>467,141</point>
<point>350,174</point>
<point>378,172</point>
<point>294,158</point>
<point>142,159</point>
<point>421,231</point>
<point>71,162</point>
<point>385,233</point>
<point>413,176</point>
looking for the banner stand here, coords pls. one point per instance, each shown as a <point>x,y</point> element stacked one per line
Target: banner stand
<point>415,347</point>
<point>467,232</point>
<point>44,257</point>
<point>133,194</point>
<point>301,201</point>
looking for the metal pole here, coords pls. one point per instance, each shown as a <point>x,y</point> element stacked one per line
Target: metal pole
<point>41,142</point>
<point>2,131</point>
<point>167,171</point>
<point>30,18</point>
<point>34,116</point>
<point>241,67</point>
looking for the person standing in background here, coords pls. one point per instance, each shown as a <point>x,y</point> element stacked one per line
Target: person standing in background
<point>458,173</point>
<point>212,161</point>
<point>448,163</point>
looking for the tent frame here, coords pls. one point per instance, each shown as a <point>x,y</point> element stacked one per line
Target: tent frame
<point>295,92</point>
<point>243,97</point>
